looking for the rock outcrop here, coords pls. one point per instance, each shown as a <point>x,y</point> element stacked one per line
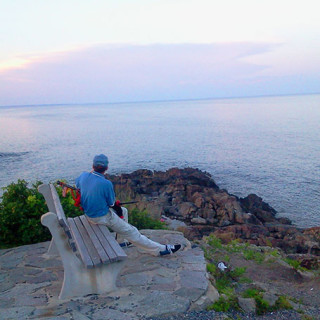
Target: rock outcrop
<point>192,196</point>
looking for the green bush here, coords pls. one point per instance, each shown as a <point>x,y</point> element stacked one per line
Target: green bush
<point>250,254</point>
<point>295,264</point>
<point>223,282</point>
<point>251,293</point>
<point>211,267</point>
<point>245,280</point>
<point>214,242</point>
<point>20,212</point>
<point>141,220</point>
<point>238,272</point>
<point>222,305</point>
<point>225,303</point>
<point>262,305</point>
<point>274,253</point>
<point>235,246</point>
<point>283,303</point>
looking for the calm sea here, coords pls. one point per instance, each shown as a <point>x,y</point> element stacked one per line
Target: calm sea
<point>268,145</point>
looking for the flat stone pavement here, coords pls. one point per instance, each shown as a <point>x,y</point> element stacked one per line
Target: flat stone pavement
<point>30,283</point>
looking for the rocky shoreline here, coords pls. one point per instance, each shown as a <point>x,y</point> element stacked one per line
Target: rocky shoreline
<point>199,207</point>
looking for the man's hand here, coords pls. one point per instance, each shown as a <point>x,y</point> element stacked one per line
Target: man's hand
<point>117,208</point>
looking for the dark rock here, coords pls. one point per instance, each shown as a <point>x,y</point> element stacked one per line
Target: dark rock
<point>192,196</point>
<point>284,220</point>
<point>307,261</point>
<point>254,204</point>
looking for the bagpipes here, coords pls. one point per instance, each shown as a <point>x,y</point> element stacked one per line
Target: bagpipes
<point>76,195</point>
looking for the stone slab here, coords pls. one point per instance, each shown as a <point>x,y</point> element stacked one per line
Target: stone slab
<point>16,313</point>
<point>193,279</point>
<point>27,275</point>
<point>133,279</point>
<point>108,313</point>
<point>6,285</point>
<point>147,285</point>
<point>23,289</point>
<point>190,293</point>
<point>31,300</point>
<point>6,302</point>
<point>159,303</point>
<point>3,276</point>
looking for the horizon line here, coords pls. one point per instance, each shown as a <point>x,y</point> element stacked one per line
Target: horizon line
<point>166,100</point>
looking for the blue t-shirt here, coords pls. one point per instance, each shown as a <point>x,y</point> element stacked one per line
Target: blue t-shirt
<point>97,193</point>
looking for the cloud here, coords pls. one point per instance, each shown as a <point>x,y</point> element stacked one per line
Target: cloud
<point>111,73</point>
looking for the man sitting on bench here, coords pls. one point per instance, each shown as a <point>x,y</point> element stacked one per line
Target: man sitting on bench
<point>97,196</point>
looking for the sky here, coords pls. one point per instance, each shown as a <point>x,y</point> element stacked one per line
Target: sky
<point>100,51</point>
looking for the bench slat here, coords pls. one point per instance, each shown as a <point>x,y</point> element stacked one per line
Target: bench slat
<point>114,244</point>
<point>112,255</point>
<point>102,253</point>
<point>80,244</point>
<point>88,243</point>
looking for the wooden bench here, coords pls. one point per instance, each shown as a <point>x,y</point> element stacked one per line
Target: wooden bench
<point>88,251</point>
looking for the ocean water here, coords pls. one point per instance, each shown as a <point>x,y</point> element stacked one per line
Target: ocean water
<point>267,145</point>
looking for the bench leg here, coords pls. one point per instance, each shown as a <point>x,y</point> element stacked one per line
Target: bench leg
<point>79,281</point>
<point>52,250</point>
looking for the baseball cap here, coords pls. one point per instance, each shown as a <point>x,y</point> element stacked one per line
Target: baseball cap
<point>100,160</point>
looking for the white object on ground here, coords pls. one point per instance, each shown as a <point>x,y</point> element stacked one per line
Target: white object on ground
<point>222,266</point>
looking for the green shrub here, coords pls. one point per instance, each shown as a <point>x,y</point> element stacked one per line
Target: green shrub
<point>237,272</point>
<point>245,280</point>
<point>283,303</point>
<point>211,267</point>
<point>208,254</point>
<point>222,305</point>
<point>228,291</point>
<point>141,220</point>
<point>214,242</point>
<point>250,254</point>
<point>307,317</point>
<point>234,246</point>
<point>275,253</point>
<point>223,282</point>
<point>226,258</point>
<point>261,305</point>
<point>225,303</point>
<point>295,264</point>
<point>250,293</point>
<point>20,212</point>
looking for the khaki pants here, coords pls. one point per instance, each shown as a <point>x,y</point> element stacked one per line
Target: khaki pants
<point>129,232</point>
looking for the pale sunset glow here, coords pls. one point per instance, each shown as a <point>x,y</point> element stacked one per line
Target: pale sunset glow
<point>109,51</point>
